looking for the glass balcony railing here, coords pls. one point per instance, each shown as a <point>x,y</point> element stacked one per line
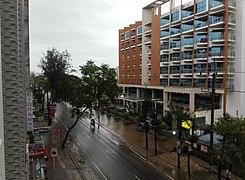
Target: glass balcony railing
<point>175,45</point>
<point>216,53</point>
<point>163,59</point>
<point>164,46</point>
<point>200,55</point>
<point>199,24</point>
<point>186,28</point>
<point>174,31</point>
<point>164,22</point>
<point>175,58</point>
<point>214,4</point>
<point>214,20</point>
<point>216,38</point>
<point>186,56</point>
<point>186,70</point>
<point>164,34</point>
<point>174,71</point>
<point>186,13</point>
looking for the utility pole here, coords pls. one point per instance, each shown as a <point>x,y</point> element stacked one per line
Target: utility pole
<point>49,119</point>
<point>212,124</point>
<point>156,124</point>
<point>179,140</point>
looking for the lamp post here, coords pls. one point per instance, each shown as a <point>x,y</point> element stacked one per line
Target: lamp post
<point>212,124</point>
<point>156,124</point>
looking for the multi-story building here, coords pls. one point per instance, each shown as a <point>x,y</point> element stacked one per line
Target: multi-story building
<point>185,44</point>
<point>14,76</point>
<point>130,44</point>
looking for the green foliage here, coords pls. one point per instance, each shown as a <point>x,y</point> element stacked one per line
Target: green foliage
<point>102,82</point>
<point>233,142</point>
<point>55,65</point>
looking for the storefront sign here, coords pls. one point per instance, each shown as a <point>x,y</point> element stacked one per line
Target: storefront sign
<point>37,153</point>
<point>29,108</point>
<point>42,131</point>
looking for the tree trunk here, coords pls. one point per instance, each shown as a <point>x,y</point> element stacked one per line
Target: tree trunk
<point>69,130</point>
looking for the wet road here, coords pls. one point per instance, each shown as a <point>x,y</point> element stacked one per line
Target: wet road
<point>108,153</point>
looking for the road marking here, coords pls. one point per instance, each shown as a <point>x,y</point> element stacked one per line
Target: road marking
<point>137,154</point>
<point>136,177</point>
<point>99,170</point>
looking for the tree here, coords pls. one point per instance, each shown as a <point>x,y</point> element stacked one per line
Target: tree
<point>54,66</point>
<point>179,115</point>
<point>96,84</point>
<point>232,131</point>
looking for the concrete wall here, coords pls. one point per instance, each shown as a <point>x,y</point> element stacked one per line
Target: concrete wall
<point>2,162</point>
<point>236,99</point>
<point>15,73</point>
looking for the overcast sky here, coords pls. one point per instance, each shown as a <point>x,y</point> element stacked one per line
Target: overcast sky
<point>88,29</point>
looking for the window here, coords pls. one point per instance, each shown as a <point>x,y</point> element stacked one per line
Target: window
<point>217,35</point>
<point>187,41</point>
<point>201,39</point>
<point>186,13</point>
<point>200,7</point>
<point>156,11</point>
<point>164,34</point>
<point>174,31</point>
<point>214,3</point>
<point>164,22</point>
<point>186,27</point>
<point>199,24</point>
<point>127,35</point>
<point>175,16</point>
<point>139,30</point>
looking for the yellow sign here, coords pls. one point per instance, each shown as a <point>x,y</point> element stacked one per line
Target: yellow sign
<point>187,124</point>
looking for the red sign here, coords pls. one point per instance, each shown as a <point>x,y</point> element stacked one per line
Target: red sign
<point>38,153</point>
<point>52,110</point>
<point>56,129</point>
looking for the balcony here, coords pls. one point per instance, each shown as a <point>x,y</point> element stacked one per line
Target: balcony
<point>216,4</point>
<point>215,20</point>
<point>164,22</point>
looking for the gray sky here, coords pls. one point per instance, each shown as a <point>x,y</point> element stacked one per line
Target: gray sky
<point>88,29</point>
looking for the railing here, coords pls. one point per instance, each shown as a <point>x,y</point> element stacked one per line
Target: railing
<point>215,38</point>
<point>187,43</point>
<point>215,4</point>
<point>187,28</point>
<point>186,70</point>
<point>163,59</point>
<point>186,13</point>
<point>175,58</point>
<point>216,53</point>
<point>174,71</point>
<point>164,22</point>
<point>200,24</point>
<point>164,46</point>
<point>199,85</point>
<point>186,57</point>
<point>175,45</point>
<point>164,34</point>
<point>175,31</point>
<point>232,3</point>
<point>200,55</point>
<point>216,20</point>
<point>200,70</point>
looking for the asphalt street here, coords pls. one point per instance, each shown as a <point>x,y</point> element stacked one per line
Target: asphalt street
<point>107,153</point>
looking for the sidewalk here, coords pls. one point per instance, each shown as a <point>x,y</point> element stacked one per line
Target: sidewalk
<point>69,163</point>
<point>166,159</point>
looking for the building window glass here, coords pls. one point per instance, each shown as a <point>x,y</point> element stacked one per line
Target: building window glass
<point>216,19</point>
<point>186,13</point>
<point>164,22</point>
<point>217,35</point>
<point>201,39</point>
<point>127,35</point>
<point>187,41</point>
<point>164,58</point>
<point>215,3</point>
<point>175,16</point>
<point>164,34</point>
<point>139,30</point>
<point>201,7</point>
<point>174,31</point>
<point>186,27</point>
<point>199,24</point>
